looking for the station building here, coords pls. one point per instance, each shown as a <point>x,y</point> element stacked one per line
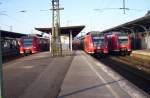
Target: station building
<point>67,35</point>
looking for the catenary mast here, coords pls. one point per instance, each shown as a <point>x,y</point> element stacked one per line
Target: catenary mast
<point>55,40</point>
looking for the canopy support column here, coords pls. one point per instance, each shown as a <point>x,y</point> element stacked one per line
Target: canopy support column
<point>50,42</point>
<point>146,31</point>
<point>70,37</point>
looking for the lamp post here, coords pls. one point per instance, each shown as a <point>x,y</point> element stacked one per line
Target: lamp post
<point>1,69</point>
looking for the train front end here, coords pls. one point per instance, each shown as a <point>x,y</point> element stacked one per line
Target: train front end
<point>28,45</point>
<point>100,44</point>
<point>124,43</point>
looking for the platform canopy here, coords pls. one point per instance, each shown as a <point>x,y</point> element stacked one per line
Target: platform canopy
<point>139,25</point>
<point>11,34</point>
<point>64,30</point>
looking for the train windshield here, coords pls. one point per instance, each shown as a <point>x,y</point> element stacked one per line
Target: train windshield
<point>123,39</point>
<point>98,40</point>
<point>27,42</point>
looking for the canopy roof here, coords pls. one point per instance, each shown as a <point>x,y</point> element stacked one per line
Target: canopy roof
<point>64,30</point>
<point>138,25</point>
<point>11,34</point>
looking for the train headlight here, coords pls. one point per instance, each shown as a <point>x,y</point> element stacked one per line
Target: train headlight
<point>98,47</point>
<point>94,45</point>
<point>91,45</point>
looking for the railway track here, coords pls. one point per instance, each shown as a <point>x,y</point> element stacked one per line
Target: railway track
<point>122,65</point>
<point>141,64</point>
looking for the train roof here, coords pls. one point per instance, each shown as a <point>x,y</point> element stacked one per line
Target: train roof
<point>94,32</point>
<point>35,36</point>
<point>11,34</point>
<point>65,30</point>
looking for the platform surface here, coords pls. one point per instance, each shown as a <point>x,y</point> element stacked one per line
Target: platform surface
<point>35,76</point>
<point>88,78</point>
<point>143,54</point>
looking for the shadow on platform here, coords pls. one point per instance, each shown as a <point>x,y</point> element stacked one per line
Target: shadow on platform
<point>85,89</point>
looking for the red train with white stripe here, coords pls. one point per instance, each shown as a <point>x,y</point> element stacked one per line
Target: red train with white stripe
<point>119,42</point>
<point>33,44</point>
<point>95,43</point>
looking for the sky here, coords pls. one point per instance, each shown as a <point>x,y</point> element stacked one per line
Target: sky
<point>76,12</point>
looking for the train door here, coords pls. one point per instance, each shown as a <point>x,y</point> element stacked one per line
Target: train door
<point>88,44</point>
<point>105,44</point>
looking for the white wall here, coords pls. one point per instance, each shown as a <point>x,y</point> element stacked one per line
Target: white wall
<point>65,42</point>
<point>146,41</point>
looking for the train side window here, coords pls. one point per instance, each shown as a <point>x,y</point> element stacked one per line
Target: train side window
<point>6,45</point>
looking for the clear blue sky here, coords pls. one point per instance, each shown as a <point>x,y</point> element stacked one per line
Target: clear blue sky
<point>76,12</point>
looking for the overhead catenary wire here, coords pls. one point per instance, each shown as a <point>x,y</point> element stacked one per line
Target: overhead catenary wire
<point>124,8</point>
<point>17,20</point>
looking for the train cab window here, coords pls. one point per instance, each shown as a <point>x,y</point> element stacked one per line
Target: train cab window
<point>123,39</point>
<point>27,42</point>
<point>98,40</point>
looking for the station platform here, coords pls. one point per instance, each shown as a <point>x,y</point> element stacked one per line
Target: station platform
<point>143,54</point>
<point>89,78</point>
<point>73,75</point>
<point>35,76</point>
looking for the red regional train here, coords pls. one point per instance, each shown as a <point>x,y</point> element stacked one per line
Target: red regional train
<point>95,43</point>
<point>119,43</point>
<point>33,44</point>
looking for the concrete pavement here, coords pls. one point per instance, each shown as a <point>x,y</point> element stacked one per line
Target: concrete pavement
<point>35,76</point>
<point>143,54</point>
<point>88,78</point>
<point>41,76</point>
